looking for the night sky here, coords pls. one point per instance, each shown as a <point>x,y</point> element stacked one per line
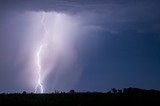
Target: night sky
<point>92,45</point>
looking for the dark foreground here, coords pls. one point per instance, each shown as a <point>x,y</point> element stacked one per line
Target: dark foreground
<point>130,98</point>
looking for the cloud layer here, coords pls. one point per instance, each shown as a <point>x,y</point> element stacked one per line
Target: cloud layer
<point>98,32</point>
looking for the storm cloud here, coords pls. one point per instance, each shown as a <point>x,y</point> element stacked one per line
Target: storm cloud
<point>116,44</point>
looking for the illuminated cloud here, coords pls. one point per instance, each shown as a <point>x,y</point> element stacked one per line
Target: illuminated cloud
<point>59,56</point>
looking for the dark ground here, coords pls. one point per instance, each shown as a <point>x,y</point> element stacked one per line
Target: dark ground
<point>129,96</point>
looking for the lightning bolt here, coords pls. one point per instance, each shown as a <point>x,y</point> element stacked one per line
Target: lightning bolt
<point>38,59</point>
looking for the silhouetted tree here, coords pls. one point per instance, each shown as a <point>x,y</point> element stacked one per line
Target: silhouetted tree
<point>114,90</point>
<point>24,92</point>
<point>72,91</point>
<point>32,93</point>
<point>109,92</point>
<point>119,91</point>
<point>125,90</point>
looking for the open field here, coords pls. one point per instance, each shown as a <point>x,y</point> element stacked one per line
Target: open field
<point>83,99</point>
